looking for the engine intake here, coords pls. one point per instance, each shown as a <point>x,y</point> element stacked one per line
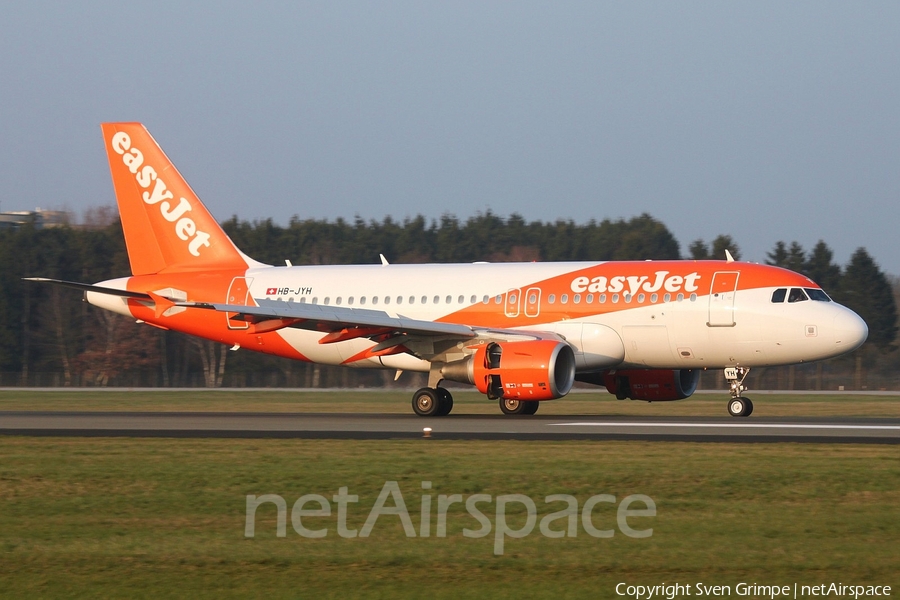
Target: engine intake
<point>533,370</point>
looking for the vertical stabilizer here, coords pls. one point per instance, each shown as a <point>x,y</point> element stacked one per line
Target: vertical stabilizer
<point>166,226</point>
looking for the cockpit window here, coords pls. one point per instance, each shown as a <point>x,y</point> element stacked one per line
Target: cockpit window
<point>817,295</point>
<point>797,295</point>
<point>778,295</point>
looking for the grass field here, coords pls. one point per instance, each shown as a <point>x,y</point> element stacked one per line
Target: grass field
<point>165,518</point>
<point>465,402</point>
<point>157,518</point>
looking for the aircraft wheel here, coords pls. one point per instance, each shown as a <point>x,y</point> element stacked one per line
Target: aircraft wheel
<point>737,407</point>
<point>426,402</point>
<point>748,410</point>
<point>445,401</point>
<point>511,406</point>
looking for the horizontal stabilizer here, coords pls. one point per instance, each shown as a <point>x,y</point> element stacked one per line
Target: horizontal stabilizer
<point>87,287</point>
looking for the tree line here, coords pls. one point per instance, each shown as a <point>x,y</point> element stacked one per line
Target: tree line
<point>50,337</point>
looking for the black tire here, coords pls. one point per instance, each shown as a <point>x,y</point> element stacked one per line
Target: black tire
<point>445,401</point>
<point>426,402</point>
<point>531,407</point>
<point>511,406</point>
<point>748,409</point>
<point>737,407</point>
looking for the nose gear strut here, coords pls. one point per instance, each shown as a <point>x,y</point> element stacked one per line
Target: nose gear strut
<point>738,406</point>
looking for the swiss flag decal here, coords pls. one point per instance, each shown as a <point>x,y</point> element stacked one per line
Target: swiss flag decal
<point>271,291</point>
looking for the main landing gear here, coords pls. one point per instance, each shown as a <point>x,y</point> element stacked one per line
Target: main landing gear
<point>738,406</point>
<point>511,406</point>
<point>438,402</point>
<point>432,402</point>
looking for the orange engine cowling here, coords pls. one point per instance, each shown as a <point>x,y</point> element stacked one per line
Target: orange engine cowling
<point>652,384</point>
<point>533,370</point>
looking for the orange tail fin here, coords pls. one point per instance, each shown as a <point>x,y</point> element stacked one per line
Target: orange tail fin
<point>166,226</point>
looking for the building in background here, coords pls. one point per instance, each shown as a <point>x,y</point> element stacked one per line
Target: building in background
<point>40,219</point>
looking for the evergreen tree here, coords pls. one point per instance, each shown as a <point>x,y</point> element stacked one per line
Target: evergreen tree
<point>778,257</point>
<point>820,268</point>
<point>865,290</point>
<point>723,243</point>
<point>796,258</point>
<point>698,250</point>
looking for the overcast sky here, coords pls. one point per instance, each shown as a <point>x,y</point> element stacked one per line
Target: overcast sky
<point>765,121</point>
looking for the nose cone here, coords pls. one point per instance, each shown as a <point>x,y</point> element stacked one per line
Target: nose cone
<point>850,331</point>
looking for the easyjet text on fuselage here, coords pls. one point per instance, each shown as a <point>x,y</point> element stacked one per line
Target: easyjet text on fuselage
<point>632,284</point>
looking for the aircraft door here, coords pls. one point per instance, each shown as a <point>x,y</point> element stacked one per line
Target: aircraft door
<point>238,293</point>
<point>532,302</point>
<point>513,299</point>
<point>721,299</point>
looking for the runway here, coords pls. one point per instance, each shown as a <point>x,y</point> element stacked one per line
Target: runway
<point>453,427</point>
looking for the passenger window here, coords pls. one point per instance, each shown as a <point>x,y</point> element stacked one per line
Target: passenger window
<point>589,299</point>
<point>797,295</point>
<point>667,297</point>
<point>486,299</point>
<point>374,299</point>
<point>576,298</point>
<point>654,298</point>
<point>564,299</point>
<point>338,301</point>
<point>412,299</point>
<point>817,295</point>
<point>473,299</point>
<point>551,298</point>
<point>693,297</point>
<point>350,300</point>
<point>602,298</point>
<point>315,300</point>
<point>532,298</point>
<point>424,299</point>
<point>778,295</point>
<point>399,299</point>
<point>448,299</point>
<point>387,299</point>
<point>641,298</point>
<point>627,297</point>
<point>303,300</point>
<point>498,299</point>
<point>437,299</point>
<point>327,300</point>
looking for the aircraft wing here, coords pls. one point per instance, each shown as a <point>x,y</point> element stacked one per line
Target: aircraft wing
<point>269,315</point>
<point>391,334</point>
<point>428,340</point>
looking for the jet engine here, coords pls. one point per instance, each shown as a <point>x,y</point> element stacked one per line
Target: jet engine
<point>652,384</point>
<point>531,370</point>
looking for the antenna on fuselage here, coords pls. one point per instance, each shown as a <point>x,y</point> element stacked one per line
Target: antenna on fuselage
<point>728,256</point>
<point>384,261</point>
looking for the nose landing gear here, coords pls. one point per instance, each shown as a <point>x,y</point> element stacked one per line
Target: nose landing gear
<point>738,406</point>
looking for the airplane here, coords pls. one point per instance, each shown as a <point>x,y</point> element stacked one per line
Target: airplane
<point>521,333</point>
